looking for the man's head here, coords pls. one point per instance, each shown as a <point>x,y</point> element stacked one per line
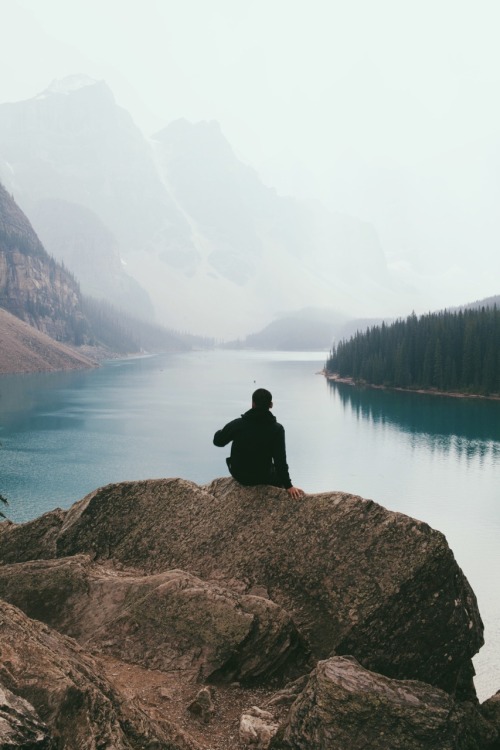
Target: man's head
<point>262,399</point>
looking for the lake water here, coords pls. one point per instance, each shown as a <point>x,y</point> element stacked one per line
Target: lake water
<point>434,458</point>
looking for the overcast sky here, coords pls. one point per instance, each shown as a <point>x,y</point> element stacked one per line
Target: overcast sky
<point>385,109</point>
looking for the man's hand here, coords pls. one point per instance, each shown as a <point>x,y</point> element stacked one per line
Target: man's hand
<point>295,492</point>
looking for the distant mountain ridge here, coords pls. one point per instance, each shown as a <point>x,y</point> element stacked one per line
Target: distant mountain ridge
<point>486,302</point>
<point>317,329</point>
<point>217,251</point>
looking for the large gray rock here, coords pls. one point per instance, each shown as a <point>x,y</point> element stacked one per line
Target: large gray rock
<point>20,725</point>
<point>64,685</point>
<point>257,728</point>
<point>166,621</point>
<point>346,706</point>
<point>356,578</point>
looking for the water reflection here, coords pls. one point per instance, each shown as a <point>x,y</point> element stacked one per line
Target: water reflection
<point>468,427</point>
<point>28,401</point>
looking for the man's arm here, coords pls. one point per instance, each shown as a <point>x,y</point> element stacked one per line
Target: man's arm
<point>281,465</point>
<point>224,436</point>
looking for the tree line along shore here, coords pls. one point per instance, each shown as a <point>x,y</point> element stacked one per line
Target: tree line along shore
<point>456,353</point>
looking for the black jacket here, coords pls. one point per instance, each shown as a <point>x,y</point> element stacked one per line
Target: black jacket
<point>258,453</point>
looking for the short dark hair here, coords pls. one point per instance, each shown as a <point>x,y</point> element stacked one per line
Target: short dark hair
<point>262,399</point>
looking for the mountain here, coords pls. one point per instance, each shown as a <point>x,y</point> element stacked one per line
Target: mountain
<point>41,292</point>
<point>77,237</point>
<point>486,302</point>
<point>309,329</point>
<point>218,252</point>
<point>25,349</point>
<point>33,287</point>
<point>260,253</point>
<point>74,160</point>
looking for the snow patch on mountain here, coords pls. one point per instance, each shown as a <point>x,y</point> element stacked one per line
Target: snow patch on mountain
<point>68,85</point>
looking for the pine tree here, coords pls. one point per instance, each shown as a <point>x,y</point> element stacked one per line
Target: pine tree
<point>441,351</point>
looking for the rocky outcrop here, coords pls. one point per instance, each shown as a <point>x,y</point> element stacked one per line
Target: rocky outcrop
<point>168,621</point>
<point>346,706</point>
<point>491,711</point>
<point>357,578</point>
<point>20,725</point>
<point>32,540</point>
<point>66,689</point>
<point>246,588</point>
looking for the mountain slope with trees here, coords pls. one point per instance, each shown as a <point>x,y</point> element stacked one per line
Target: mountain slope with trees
<point>33,286</point>
<point>446,351</point>
<point>36,289</point>
<point>25,349</point>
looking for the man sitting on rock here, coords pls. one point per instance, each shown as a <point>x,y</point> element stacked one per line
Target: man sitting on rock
<point>258,453</point>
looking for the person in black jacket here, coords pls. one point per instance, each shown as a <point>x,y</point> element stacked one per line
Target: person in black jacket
<point>258,453</point>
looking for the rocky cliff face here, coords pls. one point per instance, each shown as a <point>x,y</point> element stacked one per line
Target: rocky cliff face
<point>41,292</point>
<point>77,706</point>
<point>341,623</point>
<point>32,285</point>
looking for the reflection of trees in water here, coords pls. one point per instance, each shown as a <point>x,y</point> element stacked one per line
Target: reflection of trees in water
<point>468,427</point>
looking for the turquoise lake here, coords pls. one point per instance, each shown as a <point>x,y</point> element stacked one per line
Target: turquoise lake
<point>434,458</point>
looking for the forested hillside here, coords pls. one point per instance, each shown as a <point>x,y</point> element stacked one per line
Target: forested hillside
<point>43,293</point>
<point>446,351</point>
<point>26,349</point>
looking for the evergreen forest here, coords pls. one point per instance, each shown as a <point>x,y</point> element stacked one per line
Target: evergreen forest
<point>447,351</point>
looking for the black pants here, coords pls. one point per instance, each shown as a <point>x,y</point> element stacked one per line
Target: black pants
<point>250,481</point>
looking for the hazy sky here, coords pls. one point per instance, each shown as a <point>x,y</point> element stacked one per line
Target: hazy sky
<point>385,109</point>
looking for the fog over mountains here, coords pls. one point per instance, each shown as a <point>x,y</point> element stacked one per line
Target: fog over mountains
<point>175,226</point>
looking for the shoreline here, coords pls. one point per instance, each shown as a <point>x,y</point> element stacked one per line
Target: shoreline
<point>428,392</point>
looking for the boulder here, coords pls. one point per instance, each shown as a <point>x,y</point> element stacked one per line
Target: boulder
<point>257,728</point>
<point>65,687</point>
<point>356,578</point>
<point>20,725</point>
<point>166,621</point>
<point>32,540</point>
<point>159,583</point>
<point>490,709</point>
<point>202,706</point>
<point>346,706</point>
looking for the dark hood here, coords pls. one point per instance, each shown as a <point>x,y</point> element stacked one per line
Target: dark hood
<point>259,415</point>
